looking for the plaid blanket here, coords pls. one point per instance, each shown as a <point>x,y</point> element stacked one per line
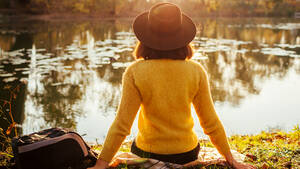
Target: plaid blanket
<point>208,158</point>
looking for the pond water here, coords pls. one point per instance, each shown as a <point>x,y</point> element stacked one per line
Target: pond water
<point>68,73</point>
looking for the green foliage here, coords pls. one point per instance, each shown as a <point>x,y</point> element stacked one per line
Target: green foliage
<point>80,7</point>
<point>39,6</point>
<point>270,150</point>
<point>192,7</point>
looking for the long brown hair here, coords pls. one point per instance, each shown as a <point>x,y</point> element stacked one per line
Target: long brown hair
<point>143,52</point>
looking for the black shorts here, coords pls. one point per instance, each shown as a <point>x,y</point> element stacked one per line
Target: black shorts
<point>181,158</point>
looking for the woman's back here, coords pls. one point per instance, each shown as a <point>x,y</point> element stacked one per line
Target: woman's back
<point>167,88</point>
<point>163,90</point>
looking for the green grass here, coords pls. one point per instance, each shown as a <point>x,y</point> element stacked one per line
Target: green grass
<point>272,150</point>
<point>276,149</point>
<point>267,150</point>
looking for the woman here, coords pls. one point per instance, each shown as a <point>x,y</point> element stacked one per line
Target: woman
<point>163,83</point>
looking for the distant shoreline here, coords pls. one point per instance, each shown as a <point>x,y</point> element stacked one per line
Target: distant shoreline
<point>14,14</point>
<point>58,16</point>
<point>78,9</point>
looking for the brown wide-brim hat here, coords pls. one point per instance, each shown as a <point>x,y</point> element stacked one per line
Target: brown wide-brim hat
<point>164,27</point>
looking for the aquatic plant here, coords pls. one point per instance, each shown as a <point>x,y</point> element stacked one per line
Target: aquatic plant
<point>5,134</point>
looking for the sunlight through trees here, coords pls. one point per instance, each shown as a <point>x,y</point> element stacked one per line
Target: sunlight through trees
<point>133,7</point>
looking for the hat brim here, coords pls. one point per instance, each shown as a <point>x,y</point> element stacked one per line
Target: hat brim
<point>146,36</point>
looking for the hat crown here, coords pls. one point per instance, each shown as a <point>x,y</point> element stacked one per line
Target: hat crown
<point>165,18</point>
<point>164,27</point>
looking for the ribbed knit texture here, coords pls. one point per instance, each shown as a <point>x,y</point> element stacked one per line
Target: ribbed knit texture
<point>164,91</point>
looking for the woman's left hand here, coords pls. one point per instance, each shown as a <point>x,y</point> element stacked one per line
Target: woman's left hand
<point>239,165</point>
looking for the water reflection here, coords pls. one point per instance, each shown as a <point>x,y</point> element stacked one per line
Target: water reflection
<point>73,70</point>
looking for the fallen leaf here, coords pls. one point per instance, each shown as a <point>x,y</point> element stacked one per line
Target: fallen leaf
<point>9,129</point>
<point>274,159</point>
<point>252,157</point>
<point>278,136</point>
<point>269,140</point>
<point>288,165</point>
<point>265,166</point>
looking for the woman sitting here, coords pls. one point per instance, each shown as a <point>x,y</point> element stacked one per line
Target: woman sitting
<point>163,83</point>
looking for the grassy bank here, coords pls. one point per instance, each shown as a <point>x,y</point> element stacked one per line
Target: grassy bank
<point>267,150</point>
<point>277,149</point>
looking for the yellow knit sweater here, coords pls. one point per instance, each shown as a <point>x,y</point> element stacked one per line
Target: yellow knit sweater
<point>164,91</point>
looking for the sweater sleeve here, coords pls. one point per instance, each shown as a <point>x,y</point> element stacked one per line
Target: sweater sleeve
<point>127,110</point>
<point>208,117</point>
